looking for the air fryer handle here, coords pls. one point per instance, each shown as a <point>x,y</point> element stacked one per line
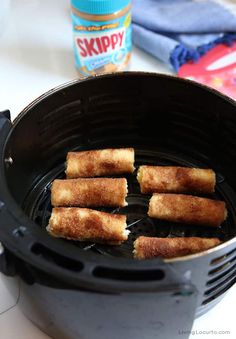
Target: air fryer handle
<point>5,126</point>
<point>5,114</point>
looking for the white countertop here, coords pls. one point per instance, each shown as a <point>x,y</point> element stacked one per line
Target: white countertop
<point>35,56</point>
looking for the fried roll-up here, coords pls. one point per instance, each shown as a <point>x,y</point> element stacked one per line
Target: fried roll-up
<point>147,248</point>
<point>84,224</point>
<point>171,179</point>
<point>187,209</point>
<point>99,163</point>
<point>89,192</point>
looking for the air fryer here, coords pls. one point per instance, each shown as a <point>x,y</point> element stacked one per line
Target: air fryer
<point>84,290</point>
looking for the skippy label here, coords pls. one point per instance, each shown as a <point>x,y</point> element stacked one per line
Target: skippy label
<point>102,47</point>
<point>100,44</point>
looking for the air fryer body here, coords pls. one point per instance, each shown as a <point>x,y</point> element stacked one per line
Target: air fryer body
<point>164,313</point>
<point>79,314</point>
<point>75,290</point>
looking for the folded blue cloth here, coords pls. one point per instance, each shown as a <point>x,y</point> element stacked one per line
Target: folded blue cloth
<point>176,31</point>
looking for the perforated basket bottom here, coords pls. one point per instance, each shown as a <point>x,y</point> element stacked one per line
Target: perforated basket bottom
<point>38,207</point>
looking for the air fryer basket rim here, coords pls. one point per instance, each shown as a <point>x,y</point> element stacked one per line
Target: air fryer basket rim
<point>56,244</point>
<point>117,74</point>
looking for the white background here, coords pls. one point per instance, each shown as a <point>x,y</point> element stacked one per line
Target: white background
<point>35,56</point>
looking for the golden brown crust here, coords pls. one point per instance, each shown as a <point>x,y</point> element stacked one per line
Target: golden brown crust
<point>147,248</point>
<point>172,179</point>
<point>99,162</point>
<point>84,224</point>
<point>89,192</point>
<point>187,209</point>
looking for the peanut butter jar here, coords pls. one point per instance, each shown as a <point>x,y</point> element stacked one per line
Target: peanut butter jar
<point>102,35</point>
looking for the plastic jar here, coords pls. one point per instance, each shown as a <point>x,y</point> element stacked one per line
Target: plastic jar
<point>102,35</point>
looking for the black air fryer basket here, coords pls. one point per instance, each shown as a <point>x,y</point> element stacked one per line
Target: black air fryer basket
<point>82,290</point>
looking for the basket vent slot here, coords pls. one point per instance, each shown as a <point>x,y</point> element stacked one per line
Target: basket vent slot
<point>221,259</point>
<point>222,276</point>
<point>128,275</point>
<point>53,257</point>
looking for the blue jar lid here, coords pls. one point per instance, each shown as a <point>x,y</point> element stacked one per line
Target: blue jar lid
<point>99,7</point>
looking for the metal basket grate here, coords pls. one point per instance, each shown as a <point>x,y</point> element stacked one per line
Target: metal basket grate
<point>38,207</point>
